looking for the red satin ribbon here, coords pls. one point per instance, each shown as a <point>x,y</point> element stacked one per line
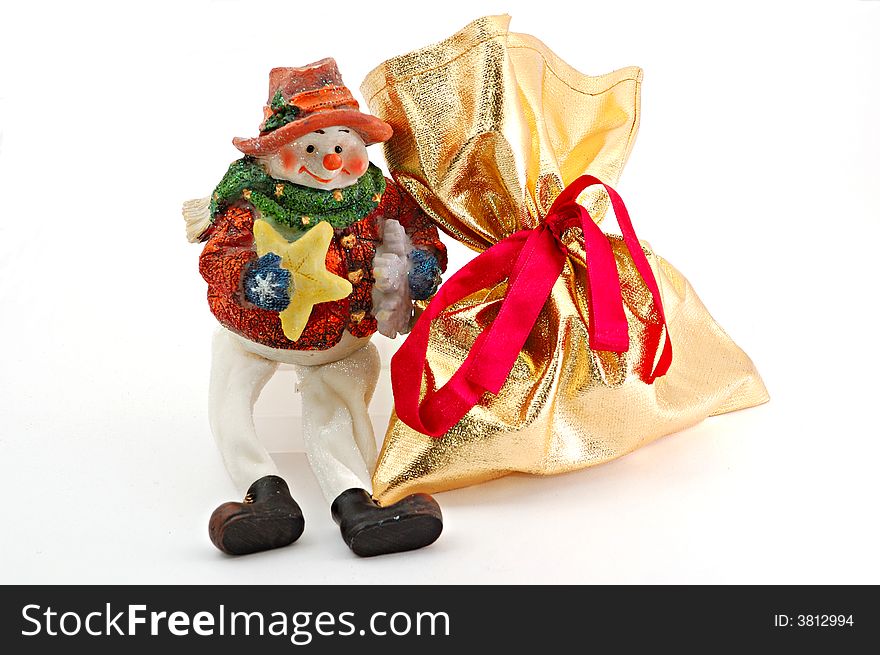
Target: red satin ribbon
<point>531,261</point>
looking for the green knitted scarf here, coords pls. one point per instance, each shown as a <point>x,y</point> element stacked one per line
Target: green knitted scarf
<point>294,205</point>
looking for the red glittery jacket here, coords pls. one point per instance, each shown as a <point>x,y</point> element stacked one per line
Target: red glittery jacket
<point>230,247</point>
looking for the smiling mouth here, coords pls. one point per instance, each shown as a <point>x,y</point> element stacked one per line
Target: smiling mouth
<point>320,179</point>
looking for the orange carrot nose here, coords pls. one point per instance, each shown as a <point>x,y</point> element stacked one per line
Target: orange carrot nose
<point>332,161</point>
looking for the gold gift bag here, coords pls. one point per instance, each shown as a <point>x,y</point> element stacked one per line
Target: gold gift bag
<point>489,127</point>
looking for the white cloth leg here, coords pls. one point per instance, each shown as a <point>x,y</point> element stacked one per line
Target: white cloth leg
<point>237,377</point>
<point>337,431</point>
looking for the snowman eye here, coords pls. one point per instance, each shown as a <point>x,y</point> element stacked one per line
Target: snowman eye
<point>310,149</point>
<point>338,149</point>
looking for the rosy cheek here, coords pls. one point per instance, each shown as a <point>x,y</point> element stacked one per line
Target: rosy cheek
<point>357,165</point>
<point>288,158</point>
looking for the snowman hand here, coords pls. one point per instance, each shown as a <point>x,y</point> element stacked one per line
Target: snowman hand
<point>424,275</point>
<point>266,284</point>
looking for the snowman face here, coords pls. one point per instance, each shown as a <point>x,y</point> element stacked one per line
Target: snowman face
<point>329,158</point>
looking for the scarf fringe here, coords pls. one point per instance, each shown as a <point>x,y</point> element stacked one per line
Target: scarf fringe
<point>197,215</point>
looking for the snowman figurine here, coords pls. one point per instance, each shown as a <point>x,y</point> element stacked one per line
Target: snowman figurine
<point>309,251</point>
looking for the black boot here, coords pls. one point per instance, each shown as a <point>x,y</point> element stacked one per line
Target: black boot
<point>369,529</point>
<point>268,518</point>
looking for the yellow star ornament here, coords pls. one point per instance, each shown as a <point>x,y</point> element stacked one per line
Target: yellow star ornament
<point>310,281</point>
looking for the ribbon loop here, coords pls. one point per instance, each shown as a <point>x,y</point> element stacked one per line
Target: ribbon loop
<point>531,262</point>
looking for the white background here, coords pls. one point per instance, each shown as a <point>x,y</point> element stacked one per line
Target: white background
<point>755,173</point>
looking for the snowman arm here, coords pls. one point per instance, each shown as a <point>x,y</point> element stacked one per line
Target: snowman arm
<point>427,259</point>
<point>419,228</point>
<point>227,252</point>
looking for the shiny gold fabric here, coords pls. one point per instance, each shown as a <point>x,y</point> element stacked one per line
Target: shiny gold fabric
<point>489,126</point>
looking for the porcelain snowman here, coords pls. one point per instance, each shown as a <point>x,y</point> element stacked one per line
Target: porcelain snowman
<point>309,251</point>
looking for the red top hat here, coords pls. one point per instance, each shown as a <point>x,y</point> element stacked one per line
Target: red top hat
<point>302,100</point>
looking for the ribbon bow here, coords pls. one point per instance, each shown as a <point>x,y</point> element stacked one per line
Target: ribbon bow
<point>531,261</point>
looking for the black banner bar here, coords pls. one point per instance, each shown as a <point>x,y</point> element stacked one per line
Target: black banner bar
<point>420,620</point>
